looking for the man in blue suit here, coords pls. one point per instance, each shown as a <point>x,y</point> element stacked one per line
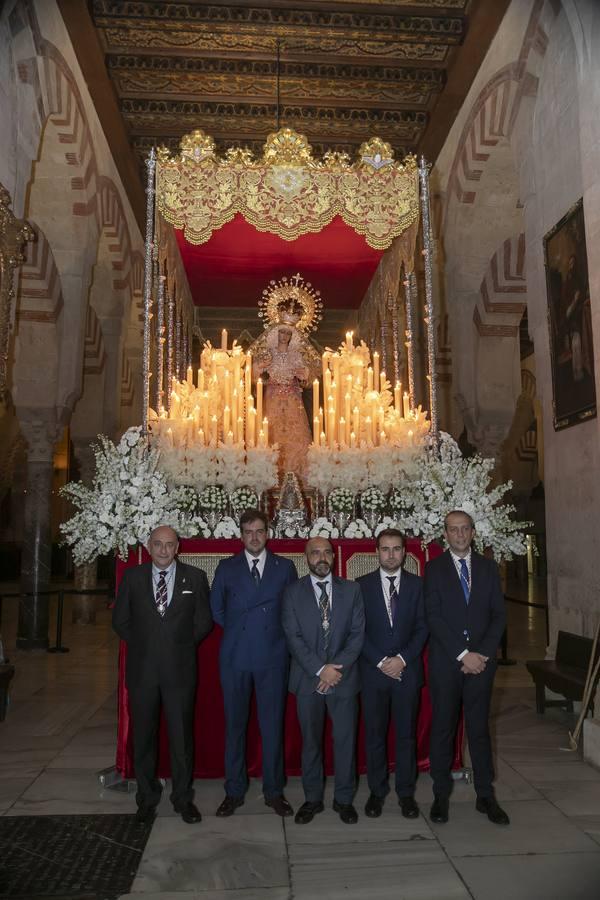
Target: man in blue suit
<point>246,601</point>
<point>392,671</point>
<point>465,612</point>
<point>324,622</point>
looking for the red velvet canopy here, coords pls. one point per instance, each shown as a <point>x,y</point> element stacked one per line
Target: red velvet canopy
<point>237,263</point>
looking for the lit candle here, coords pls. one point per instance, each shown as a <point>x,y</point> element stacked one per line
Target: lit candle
<point>398,398</point>
<point>382,438</point>
<point>266,430</point>
<point>226,419</point>
<point>227,389</point>
<point>261,438</point>
<point>197,417</point>
<point>325,365</point>
<point>352,440</point>
<point>251,427</point>
<point>205,411</point>
<point>356,421</point>
<point>316,429</point>
<point>321,423</point>
<point>376,367</point>
<point>369,431</point>
<point>331,426</point>
<point>190,376</point>
<point>327,383</point>
<point>169,437</point>
<point>316,399</point>
<point>347,401</point>
<point>342,436</point>
<point>213,365</point>
<point>174,411</point>
<point>259,399</point>
<point>200,379</point>
<point>248,375</point>
<point>213,429</point>
<point>323,439</point>
<point>382,382</point>
<point>234,412</point>
<point>201,437</point>
<point>369,379</point>
<point>240,430</point>
<point>410,435</point>
<point>229,438</point>
<point>224,339</point>
<point>406,404</point>
<point>349,339</point>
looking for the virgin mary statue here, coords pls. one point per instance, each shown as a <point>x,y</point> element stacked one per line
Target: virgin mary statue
<point>286,360</point>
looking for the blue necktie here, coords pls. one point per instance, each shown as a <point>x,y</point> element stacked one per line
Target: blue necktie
<point>464,580</point>
<point>255,573</point>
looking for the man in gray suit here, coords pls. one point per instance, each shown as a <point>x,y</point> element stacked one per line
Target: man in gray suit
<point>324,622</point>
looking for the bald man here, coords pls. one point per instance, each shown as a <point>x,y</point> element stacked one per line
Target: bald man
<point>324,622</point>
<point>163,612</point>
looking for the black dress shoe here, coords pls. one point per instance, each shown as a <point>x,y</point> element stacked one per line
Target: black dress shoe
<point>229,806</point>
<point>145,814</point>
<point>280,806</point>
<point>489,806</point>
<point>347,813</point>
<point>374,806</point>
<point>439,810</point>
<point>189,812</point>
<point>307,812</point>
<point>409,808</point>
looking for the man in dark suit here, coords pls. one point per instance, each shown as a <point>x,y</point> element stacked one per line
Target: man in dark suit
<point>162,612</point>
<point>465,612</point>
<point>246,601</point>
<point>392,671</point>
<point>324,622</point>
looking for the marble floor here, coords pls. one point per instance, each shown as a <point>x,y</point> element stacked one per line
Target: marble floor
<point>60,730</point>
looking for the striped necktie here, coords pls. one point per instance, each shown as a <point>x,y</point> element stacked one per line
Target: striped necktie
<point>255,573</point>
<point>465,581</point>
<point>324,609</point>
<point>393,597</point>
<point>161,593</point>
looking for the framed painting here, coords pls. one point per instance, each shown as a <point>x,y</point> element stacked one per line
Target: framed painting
<point>570,320</point>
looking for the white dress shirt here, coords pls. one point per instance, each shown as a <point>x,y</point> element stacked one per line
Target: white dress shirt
<point>169,578</point>
<point>386,588</point>
<point>457,560</point>
<point>262,558</point>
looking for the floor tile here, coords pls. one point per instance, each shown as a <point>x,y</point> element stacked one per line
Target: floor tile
<point>560,876</point>
<point>248,852</point>
<point>410,882</point>
<point>574,799</point>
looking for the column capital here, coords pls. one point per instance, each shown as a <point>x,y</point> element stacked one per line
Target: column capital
<point>41,430</point>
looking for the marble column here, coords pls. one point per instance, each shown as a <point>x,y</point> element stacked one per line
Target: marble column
<point>39,427</point>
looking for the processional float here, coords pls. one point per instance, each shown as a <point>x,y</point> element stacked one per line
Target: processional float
<point>364,420</point>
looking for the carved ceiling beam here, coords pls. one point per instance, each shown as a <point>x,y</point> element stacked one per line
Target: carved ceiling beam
<point>14,233</point>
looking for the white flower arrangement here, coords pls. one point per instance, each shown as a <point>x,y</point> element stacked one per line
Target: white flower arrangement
<point>372,500</point>
<point>129,497</point>
<point>213,498</point>
<point>359,468</point>
<point>243,498</point>
<point>341,500</point>
<point>227,528</point>
<point>358,528</point>
<point>446,481</point>
<point>386,522</point>
<point>322,527</point>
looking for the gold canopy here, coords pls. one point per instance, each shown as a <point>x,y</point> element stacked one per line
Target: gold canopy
<point>288,192</point>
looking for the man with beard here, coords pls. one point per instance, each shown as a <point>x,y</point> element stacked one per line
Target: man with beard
<point>324,622</point>
<point>391,671</point>
<point>246,602</point>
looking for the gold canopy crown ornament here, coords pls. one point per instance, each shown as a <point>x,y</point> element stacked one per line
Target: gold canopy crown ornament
<point>291,301</point>
<point>287,192</point>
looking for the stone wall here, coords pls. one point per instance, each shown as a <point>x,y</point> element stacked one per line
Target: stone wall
<point>524,148</point>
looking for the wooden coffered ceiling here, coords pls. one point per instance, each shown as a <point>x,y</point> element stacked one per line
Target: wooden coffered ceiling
<point>347,70</point>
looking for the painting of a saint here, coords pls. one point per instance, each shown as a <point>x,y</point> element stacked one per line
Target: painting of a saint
<point>570,321</point>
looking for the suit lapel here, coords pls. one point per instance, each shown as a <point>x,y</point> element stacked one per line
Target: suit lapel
<point>312,607</point>
<point>178,587</point>
<point>454,585</point>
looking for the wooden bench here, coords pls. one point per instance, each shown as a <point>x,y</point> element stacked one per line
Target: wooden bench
<point>564,675</point>
<point>6,674</point>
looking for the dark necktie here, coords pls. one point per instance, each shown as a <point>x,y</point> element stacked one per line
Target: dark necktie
<point>464,580</point>
<point>324,609</point>
<point>255,573</point>
<point>393,596</point>
<point>161,593</point>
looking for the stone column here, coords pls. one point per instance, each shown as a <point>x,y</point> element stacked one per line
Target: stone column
<point>39,427</point>
<point>83,608</point>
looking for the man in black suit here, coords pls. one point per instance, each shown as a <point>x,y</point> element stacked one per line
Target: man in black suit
<point>162,612</point>
<point>465,612</point>
<point>391,671</point>
<point>324,622</point>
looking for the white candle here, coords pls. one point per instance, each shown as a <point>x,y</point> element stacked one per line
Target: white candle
<point>315,398</point>
<point>169,437</point>
<point>259,399</point>
<point>240,430</point>
<point>248,375</point>
<point>190,376</point>
<point>352,440</point>
<point>226,419</point>
<point>224,339</point>
<point>406,403</point>
<point>252,426</point>
<point>265,429</point>
<point>331,426</point>
<point>316,430</point>
<point>398,398</point>
<point>229,438</point>
<point>347,401</point>
<point>201,437</point>
<point>323,439</point>
<point>342,436</point>
<point>200,379</point>
<point>382,382</point>
<point>369,379</point>
<point>213,429</point>
<point>376,367</point>
<point>261,438</point>
<point>356,422</point>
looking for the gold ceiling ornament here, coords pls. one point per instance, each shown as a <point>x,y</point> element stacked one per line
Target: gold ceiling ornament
<point>291,301</point>
<point>288,191</point>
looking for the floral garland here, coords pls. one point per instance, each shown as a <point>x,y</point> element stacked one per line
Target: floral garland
<point>446,481</point>
<point>129,497</point>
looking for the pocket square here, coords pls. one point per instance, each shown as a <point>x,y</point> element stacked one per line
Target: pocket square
<point>187,592</point>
